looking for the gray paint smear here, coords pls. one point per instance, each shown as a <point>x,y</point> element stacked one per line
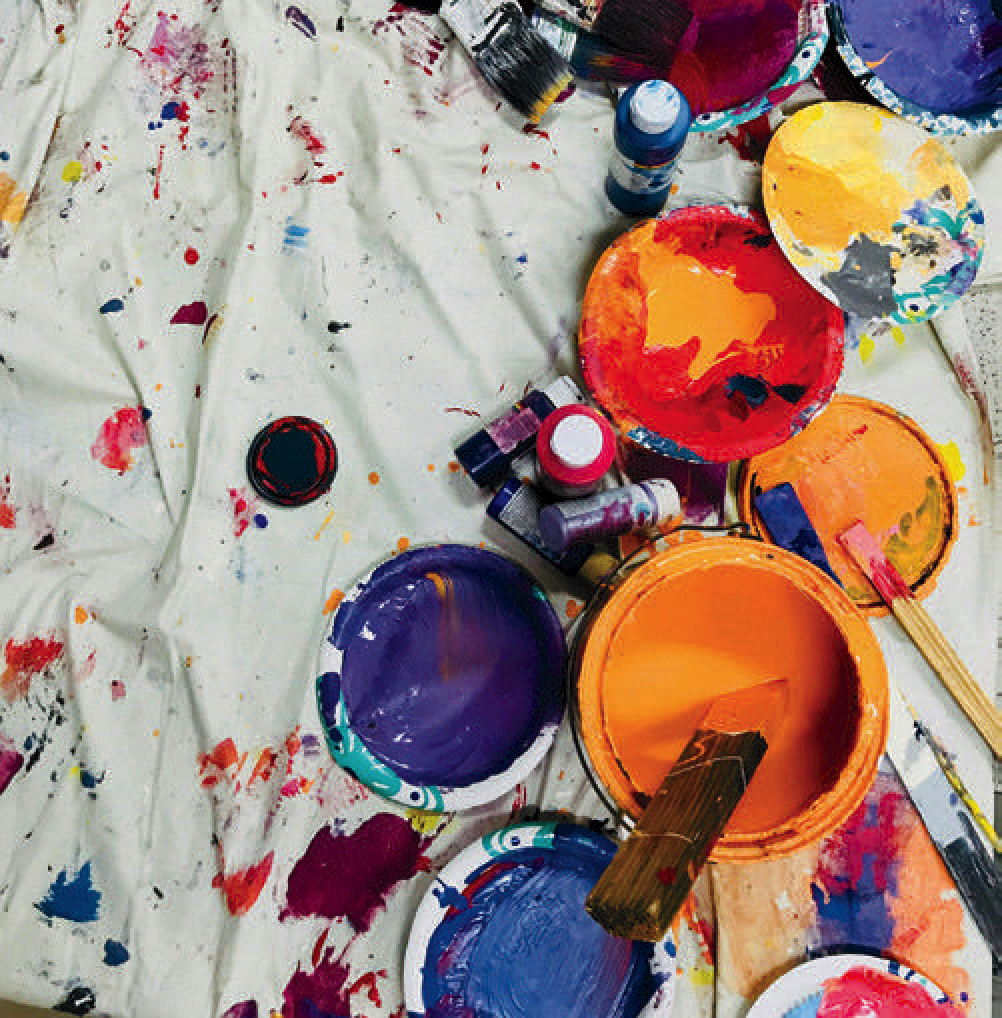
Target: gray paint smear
<point>864,285</point>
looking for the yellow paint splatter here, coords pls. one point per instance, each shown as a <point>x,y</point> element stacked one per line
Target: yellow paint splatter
<point>80,615</point>
<point>702,976</point>
<point>346,536</point>
<point>866,348</point>
<point>12,201</point>
<point>336,597</point>
<point>323,526</point>
<point>422,821</point>
<point>899,335</point>
<point>951,456</point>
<point>72,171</point>
<point>431,468</point>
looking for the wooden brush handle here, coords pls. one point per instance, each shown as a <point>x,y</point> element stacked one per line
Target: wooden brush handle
<point>653,870</point>
<point>946,663</point>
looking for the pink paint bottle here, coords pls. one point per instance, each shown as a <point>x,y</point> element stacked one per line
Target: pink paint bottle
<point>575,448</point>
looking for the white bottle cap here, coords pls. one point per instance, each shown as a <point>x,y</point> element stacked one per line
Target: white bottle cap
<point>655,106</point>
<point>576,441</point>
<point>563,391</point>
<point>665,497</point>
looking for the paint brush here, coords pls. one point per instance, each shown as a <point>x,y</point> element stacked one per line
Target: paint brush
<point>653,871</point>
<point>511,55</point>
<point>651,28</point>
<point>790,527</point>
<point>925,634</point>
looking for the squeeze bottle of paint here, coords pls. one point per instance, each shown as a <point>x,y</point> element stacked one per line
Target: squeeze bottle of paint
<point>516,506</point>
<point>575,448</point>
<point>651,125</point>
<point>609,513</point>
<point>487,455</point>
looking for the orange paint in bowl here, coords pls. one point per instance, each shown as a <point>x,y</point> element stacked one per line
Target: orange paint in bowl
<point>722,614</point>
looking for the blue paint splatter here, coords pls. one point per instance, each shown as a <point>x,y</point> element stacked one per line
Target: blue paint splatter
<point>296,17</point>
<point>260,520</point>
<point>73,898</point>
<point>89,780</point>
<point>295,235</point>
<point>171,111</point>
<point>111,306</point>
<point>115,953</point>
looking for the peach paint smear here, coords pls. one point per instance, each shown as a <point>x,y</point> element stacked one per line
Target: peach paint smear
<point>120,435</point>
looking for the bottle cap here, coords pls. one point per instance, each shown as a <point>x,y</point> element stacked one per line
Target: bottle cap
<point>563,390</point>
<point>665,497</point>
<point>291,461</point>
<point>655,106</point>
<point>576,441</point>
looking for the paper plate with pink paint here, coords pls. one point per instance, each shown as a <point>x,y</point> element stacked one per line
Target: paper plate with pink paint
<point>441,677</point>
<point>701,341</point>
<point>937,63</point>
<point>853,986</point>
<point>503,932</point>
<point>737,61</point>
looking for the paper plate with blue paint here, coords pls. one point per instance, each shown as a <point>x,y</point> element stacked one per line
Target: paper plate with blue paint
<point>441,677</point>
<point>844,984</point>
<point>872,211</point>
<point>937,64</point>
<point>503,933</point>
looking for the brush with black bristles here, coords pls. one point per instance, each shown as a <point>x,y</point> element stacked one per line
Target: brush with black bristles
<point>590,56</point>
<point>650,29</point>
<point>511,55</point>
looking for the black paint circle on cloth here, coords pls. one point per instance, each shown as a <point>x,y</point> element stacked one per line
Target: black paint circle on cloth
<point>292,461</point>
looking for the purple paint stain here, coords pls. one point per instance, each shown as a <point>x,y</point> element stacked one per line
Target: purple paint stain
<point>296,17</point>
<point>115,954</point>
<point>74,898</point>
<point>11,761</point>
<point>244,1009</point>
<point>195,313</point>
<point>321,993</point>
<point>111,306</point>
<point>943,55</point>
<point>349,876</point>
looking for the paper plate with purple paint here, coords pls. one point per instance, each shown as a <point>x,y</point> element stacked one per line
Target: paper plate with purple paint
<point>844,985</point>
<point>441,677</point>
<point>937,63</point>
<point>737,61</point>
<point>503,933</point>
<point>872,211</point>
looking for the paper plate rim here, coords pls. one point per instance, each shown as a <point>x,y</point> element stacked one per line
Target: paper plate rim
<point>808,978</point>
<point>813,39</point>
<point>350,751</point>
<point>492,846</point>
<point>820,392</point>
<point>943,124</point>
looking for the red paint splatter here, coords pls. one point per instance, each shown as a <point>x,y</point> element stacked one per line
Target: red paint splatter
<point>243,887</point>
<point>117,689</point>
<point>350,876</point>
<point>195,313</point>
<point>301,129</point>
<point>864,992</point>
<point>520,799</point>
<point>24,661</point>
<point>215,764</point>
<point>751,139</point>
<point>157,175</point>
<point>120,435</point>
<point>8,511</point>
<point>190,256</point>
<point>369,980</point>
<point>244,507</point>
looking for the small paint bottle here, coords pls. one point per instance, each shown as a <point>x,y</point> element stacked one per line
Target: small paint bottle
<point>517,505</point>
<point>575,448</point>
<point>487,455</point>
<point>609,513</point>
<point>651,125</point>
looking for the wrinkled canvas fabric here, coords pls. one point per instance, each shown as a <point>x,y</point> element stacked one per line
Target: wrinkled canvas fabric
<point>214,213</point>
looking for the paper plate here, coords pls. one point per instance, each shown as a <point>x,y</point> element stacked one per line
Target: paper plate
<point>863,460</point>
<point>503,932</point>
<point>922,63</point>
<point>799,993</point>
<point>441,678</point>
<point>811,39</point>
<point>699,339</point>
<point>874,213</point>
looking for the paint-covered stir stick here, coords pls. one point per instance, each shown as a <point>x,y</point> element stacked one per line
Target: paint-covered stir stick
<point>925,634</point>
<point>654,869</point>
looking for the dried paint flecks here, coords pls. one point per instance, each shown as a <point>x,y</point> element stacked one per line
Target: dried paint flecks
<point>295,17</point>
<point>195,313</point>
<point>326,990</point>
<point>120,435</point>
<point>350,876</point>
<point>23,661</point>
<point>71,896</point>
<point>79,1001</point>
<point>242,888</point>
<point>8,511</point>
<point>11,761</point>
<point>242,1009</point>
<point>245,511</point>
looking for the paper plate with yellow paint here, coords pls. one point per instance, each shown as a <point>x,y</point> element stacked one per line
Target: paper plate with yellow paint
<point>701,341</point>
<point>863,460</point>
<point>872,211</point>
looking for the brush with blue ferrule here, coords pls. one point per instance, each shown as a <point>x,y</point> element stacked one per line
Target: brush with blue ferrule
<point>790,527</point>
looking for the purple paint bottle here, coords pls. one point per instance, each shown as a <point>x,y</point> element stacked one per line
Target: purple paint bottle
<point>612,512</point>
<point>487,455</point>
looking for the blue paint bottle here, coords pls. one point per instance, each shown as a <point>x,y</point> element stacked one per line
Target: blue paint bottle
<point>651,126</point>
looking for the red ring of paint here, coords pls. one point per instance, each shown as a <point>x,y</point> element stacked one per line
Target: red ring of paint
<point>575,477</point>
<point>292,489</point>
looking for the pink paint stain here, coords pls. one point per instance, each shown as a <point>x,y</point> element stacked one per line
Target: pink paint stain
<point>24,661</point>
<point>11,761</point>
<point>120,435</point>
<point>178,56</point>
<point>8,511</point>
<point>243,887</point>
<point>863,992</point>
<point>321,993</point>
<point>195,313</point>
<point>244,508</point>
<point>117,689</point>
<point>350,876</point>
<point>244,1009</point>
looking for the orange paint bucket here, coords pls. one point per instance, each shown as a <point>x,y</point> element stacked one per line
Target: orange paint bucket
<point>706,618</point>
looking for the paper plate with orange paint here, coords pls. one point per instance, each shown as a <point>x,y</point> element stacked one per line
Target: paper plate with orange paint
<point>863,460</point>
<point>708,617</point>
<point>872,211</point>
<point>701,342</point>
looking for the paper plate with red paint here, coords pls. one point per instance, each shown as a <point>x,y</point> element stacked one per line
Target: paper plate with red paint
<point>853,984</point>
<point>701,341</point>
